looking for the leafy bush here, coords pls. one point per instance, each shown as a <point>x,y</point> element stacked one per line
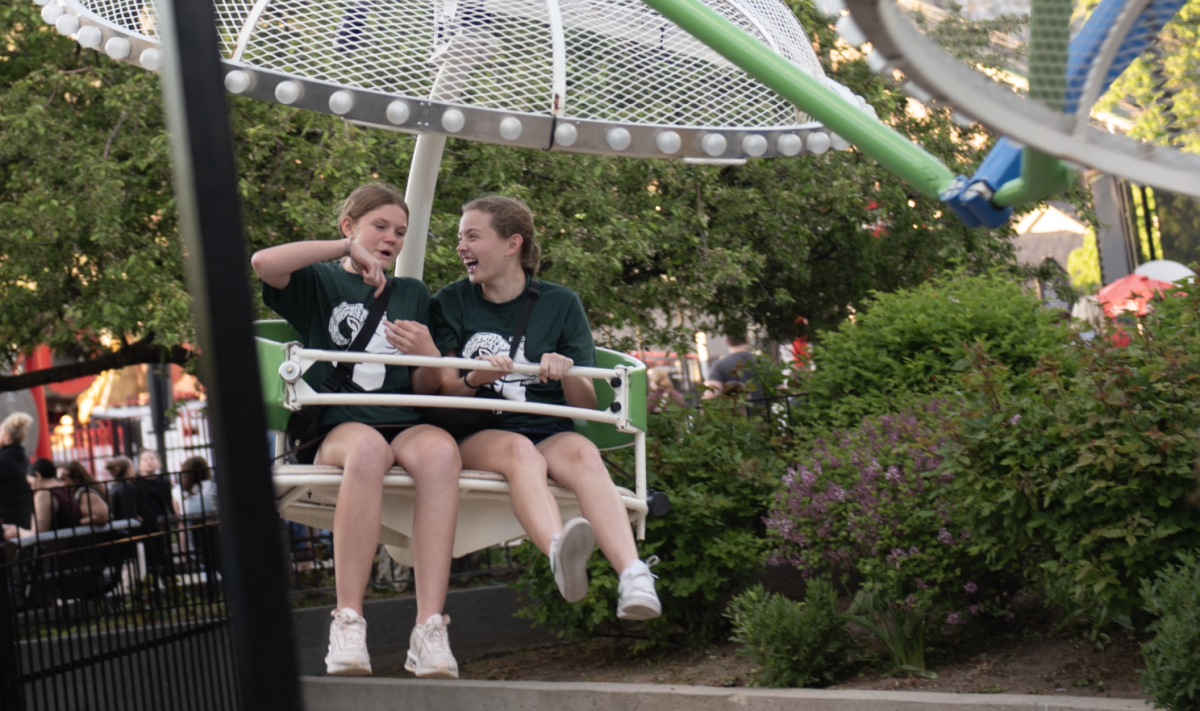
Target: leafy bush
<point>1082,477</point>
<point>719,468</point>
<point>795,644</point>
<point>909,343</point>
<point>1172,674</point>
<point>872,499</point>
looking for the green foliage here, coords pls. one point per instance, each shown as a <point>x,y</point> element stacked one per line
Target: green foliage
<point>899,626</point>
<point>1172,674</point>
<point>86,200</point>
<point>719,468</point>
<point>795,644</point>
<point>914,341</point>
<point>1081,479</point>
<point>1083,264</point>
<point>871,499</point>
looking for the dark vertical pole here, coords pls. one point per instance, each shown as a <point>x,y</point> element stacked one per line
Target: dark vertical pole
<point>158,378</point>
<point>210,222</point>
<point>12,697</point>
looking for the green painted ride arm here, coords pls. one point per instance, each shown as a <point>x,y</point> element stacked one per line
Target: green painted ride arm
<point>893,151</point>
<point>1041,177</point>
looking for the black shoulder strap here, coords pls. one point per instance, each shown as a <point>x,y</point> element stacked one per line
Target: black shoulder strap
<point>531,296</point>
<point>344,370</point>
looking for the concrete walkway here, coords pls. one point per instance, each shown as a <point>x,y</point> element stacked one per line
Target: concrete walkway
<point>334,694</point>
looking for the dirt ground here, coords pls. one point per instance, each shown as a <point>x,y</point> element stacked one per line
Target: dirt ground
<point>1032,659</point>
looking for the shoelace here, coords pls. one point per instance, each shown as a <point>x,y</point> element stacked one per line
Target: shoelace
<point>354,631</point>
<point>436,637</point>
<point>650,563</point>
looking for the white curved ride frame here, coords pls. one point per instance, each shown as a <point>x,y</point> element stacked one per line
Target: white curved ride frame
<point>307,494</point>
<point>900,45</point>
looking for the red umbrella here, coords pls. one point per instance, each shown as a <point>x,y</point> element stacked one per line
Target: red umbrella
<point>1130,293</point>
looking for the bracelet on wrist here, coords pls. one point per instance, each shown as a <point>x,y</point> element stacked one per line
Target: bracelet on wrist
<point>468,383</point>
<point>349,244</point>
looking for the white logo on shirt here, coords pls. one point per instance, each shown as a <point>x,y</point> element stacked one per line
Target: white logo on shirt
<point>368,376</point>
<point>512,386</point>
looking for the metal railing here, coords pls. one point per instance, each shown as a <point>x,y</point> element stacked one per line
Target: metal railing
<point>125,614</point>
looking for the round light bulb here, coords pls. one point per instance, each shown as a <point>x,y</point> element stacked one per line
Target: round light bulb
<point>618,138</point>
<point>839,143</point>
<point>754,145</point>
<point>397,112</point>
<point>340,102</point>
<point>510,128</point>
<point>668,142</point>
<point>89,36</point>
<point>789,144</point>
<point>565,134</point>
<point>51,12</point>
<point>151,59</point>
<point>117,47</point>
<point>288,92</point>
<point>66,24</point>
<point>453,120</point>
<point>713,144</point>
<point>818,142</point>
<point>238,81</point>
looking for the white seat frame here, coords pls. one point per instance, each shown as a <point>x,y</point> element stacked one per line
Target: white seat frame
<point>307,494</point>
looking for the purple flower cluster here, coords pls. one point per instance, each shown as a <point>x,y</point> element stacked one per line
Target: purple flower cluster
<point>825,515</point>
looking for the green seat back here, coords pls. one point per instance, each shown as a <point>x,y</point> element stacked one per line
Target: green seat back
<point>606,436</point>
<point>270,337</point>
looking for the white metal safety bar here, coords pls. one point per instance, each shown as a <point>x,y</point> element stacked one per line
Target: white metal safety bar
<point>298,393</point>
<point>307,356</point>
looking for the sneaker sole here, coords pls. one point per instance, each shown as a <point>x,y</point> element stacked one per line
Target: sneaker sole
<point>347,669</point>
<point>638,611</point>
<point>436,673</point>
<point>574,548</point>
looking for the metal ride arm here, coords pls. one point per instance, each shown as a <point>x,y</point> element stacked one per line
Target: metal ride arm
<point>893,151</point>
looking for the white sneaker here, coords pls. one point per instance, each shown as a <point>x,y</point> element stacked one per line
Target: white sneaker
<point>569,553</point>
<point>637,600</point>
<point>429,654</point>
<point>348,645</point>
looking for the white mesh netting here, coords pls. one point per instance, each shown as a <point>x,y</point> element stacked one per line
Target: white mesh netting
<point>618,60</point>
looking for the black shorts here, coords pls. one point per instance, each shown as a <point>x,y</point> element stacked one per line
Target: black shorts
<point>389,433</point>
<point>535,434</point>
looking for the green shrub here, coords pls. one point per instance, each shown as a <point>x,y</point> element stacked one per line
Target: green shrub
<point>872,499</point>
<point>794,644</point>
<point>1172,674</point>
<point>1085,474</point>
<point>909,342</point>
<point>719,468</point>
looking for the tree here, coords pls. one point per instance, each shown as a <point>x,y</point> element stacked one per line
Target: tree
<point>92,264</point>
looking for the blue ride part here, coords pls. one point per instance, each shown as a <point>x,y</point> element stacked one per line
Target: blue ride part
<point>1086,46</point>
<point>971,199</point>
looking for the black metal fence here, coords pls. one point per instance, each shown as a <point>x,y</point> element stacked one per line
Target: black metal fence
<point>127,613</point>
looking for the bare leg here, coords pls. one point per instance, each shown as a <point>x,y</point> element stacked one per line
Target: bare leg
<point>365,457</point>
<point>514,456</point>
<point>430,456</point>
<point>575,463</point>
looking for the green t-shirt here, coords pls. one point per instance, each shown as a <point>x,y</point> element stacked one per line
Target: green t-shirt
<point>327,306</point>
<point>465,322</point>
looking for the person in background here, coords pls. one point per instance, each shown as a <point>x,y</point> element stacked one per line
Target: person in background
<point>199,493</point>
<point>733,372</point>
<point>662,391</point>
<point>197,486</point>
<point>89,496</point>
<point>16,498</point>
<point>122,493</point>
<point>154,503</point>
<point>53,506</point>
